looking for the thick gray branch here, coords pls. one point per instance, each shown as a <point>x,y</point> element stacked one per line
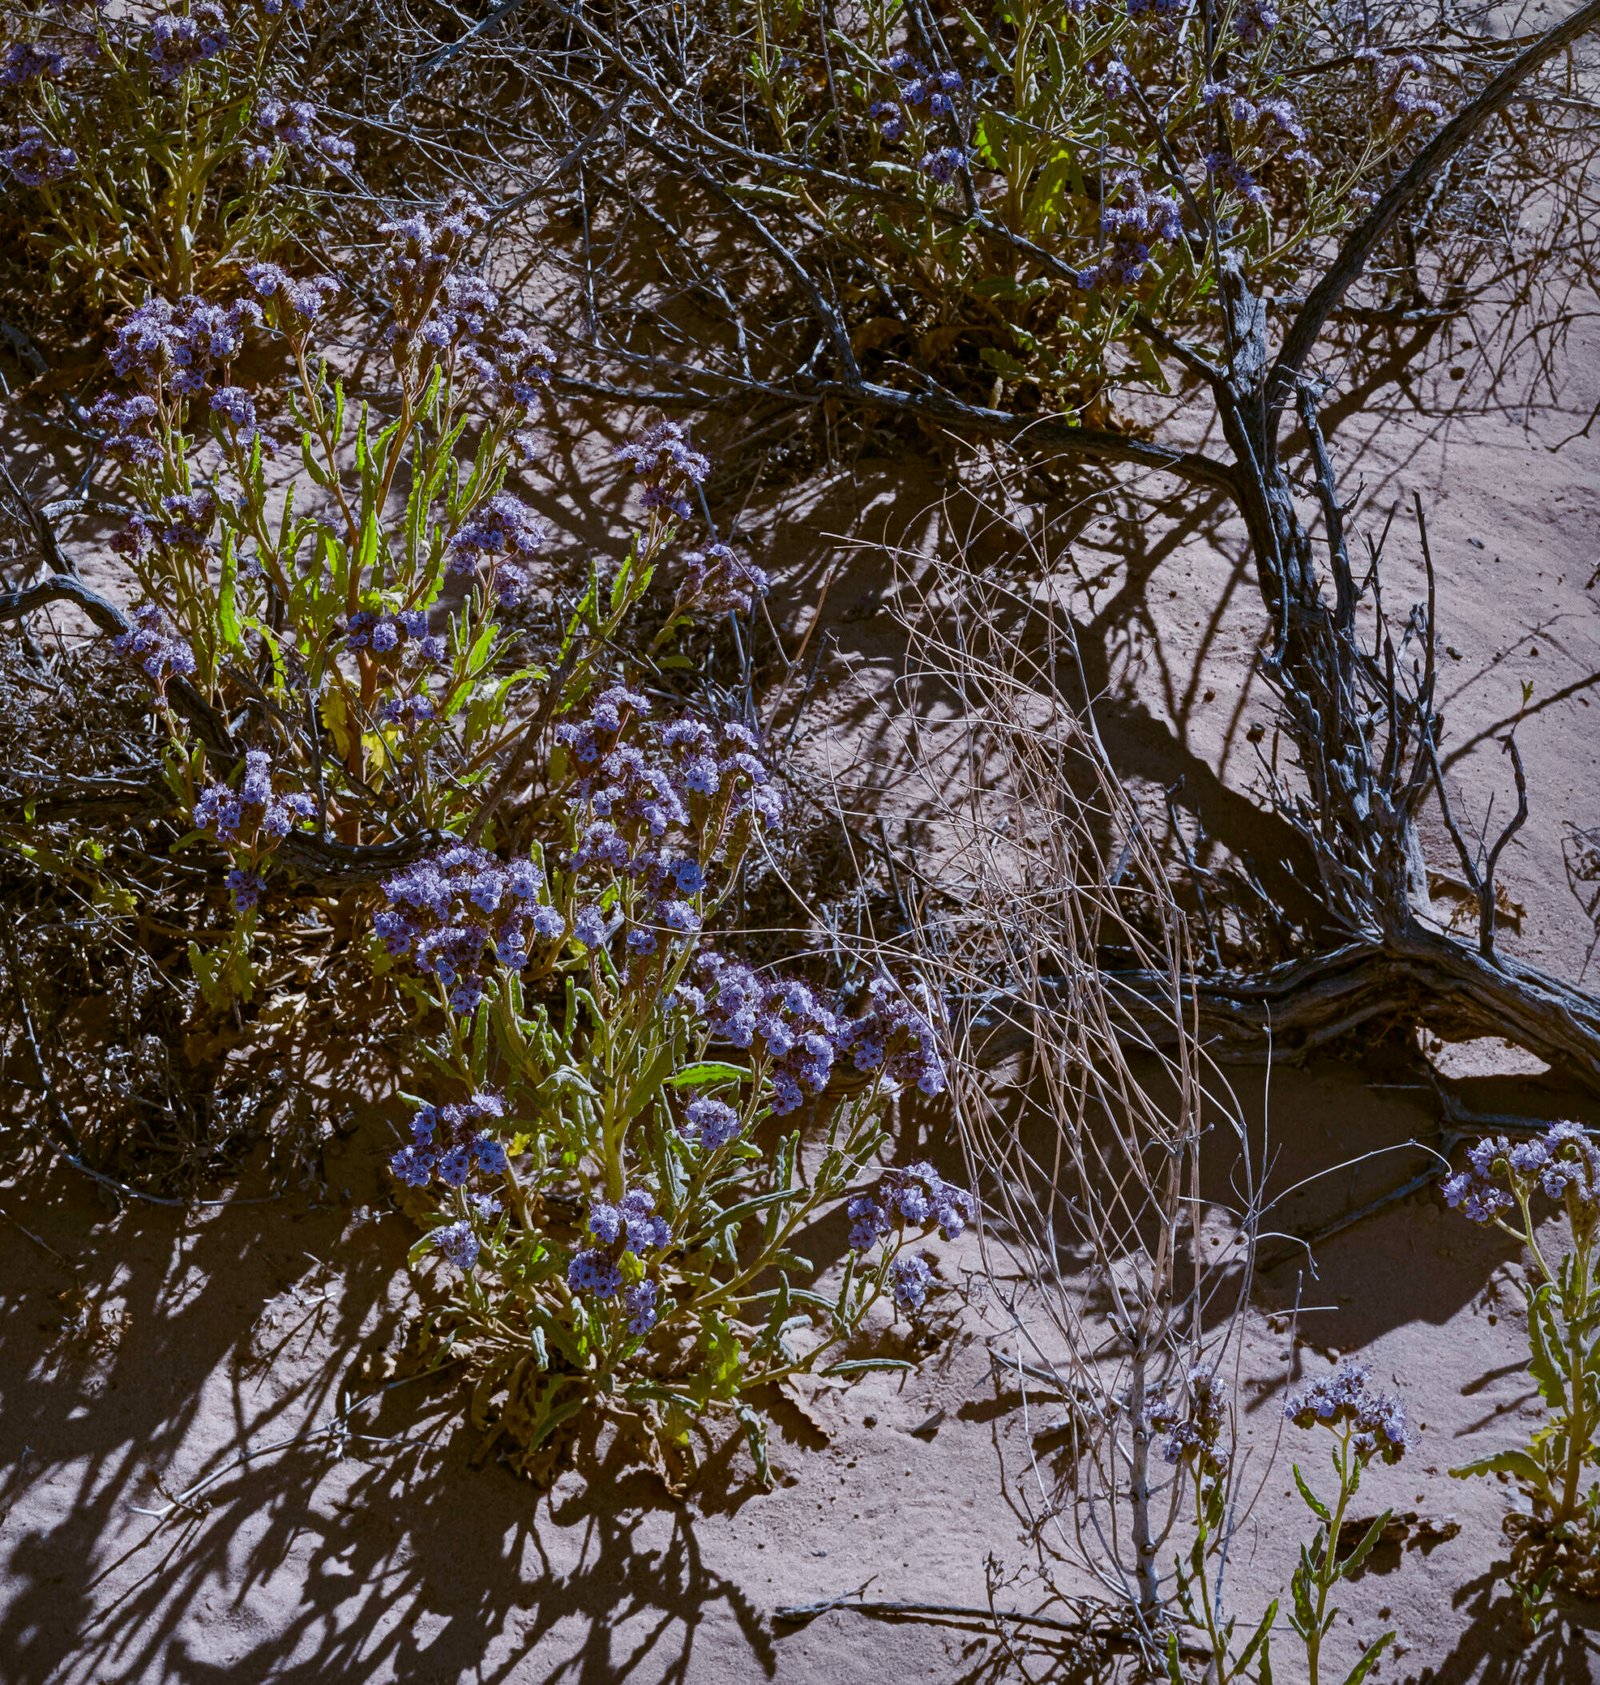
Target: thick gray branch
<point>1450,138</point>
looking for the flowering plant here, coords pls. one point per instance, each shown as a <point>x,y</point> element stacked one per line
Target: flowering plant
<point>1366,1424</point>
<point>1556,1469</point>
<point>619,1185</point>
<point>607,1147</point>
<point>1043,173</point>
<point>156,147</point>
<point>349,614</point>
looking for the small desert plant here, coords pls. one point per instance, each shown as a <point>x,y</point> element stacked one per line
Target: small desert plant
<point>1365,1424</point>
<point>346,618</point>
<point>621,1176</point>
<point>157,147</point>
<point>330,634</point>
<point>1559,1543</point>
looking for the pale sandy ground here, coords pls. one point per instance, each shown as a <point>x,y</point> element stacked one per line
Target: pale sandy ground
<point>401,1560</point>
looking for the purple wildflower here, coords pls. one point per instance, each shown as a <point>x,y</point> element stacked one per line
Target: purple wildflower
<point>712,1123</point>
<point>665,465</point>
<point>457,1243</point>
<point>594,1273</point>
<point>910,1278</point>
<point>1343,1398</point>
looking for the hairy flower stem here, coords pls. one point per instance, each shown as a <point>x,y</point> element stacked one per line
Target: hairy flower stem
<point>1324,1572</point>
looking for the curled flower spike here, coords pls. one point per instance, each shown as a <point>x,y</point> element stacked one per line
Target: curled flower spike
<point>666,467</point>
<point>158,650</point>
<point>718,580</point>
<point>640,1303</point>
<point>916,1198</point>
<point>1191,1432</point>
<point>451,1141</point>
<point>253,810</point>
<point>1563,1164</point>
<point>1344,1399</point>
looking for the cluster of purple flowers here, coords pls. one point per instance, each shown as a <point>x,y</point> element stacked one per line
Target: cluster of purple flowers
<point>1135,220</point>
<point>36,159</point>
<point>507,534</point>
<point>302,300</point>
<point>1404,98</point>
<point>662,808</point>
<point>1343,1398</point>
<point>180,345</point>
<point>718,580</point>
<point>910,1277</point>
<point>245,888</point>
<point>792,1033</point>
<point>919,89</point>
<point>187,526</point>
<point>407,712</point>
<point>1225,167</point>
<point>157,649</point>
<point>181,40</point>
<point>713,1123</point>
<point>456,913</point>
<point>916,1197</point>
<point>29,61</point>
<point>666,467</point>
<point>1564,1164</point>
<point>1254,20</point>
<point>798,1039</point>
<point>458,1242</point>
<point>512,366</point>
<point>395,636</point>
<point>1274,124</point>
<point>449,1142</point>
<point>942,164</point>
<point>236,409</point>
<point>631,1225</point>
<point>292,125</point>
<point>254,810</point>
<point>689,774</point>
<point>895,1035</point>
<point>423,251</point>
<point>1191,1432</point>
<point>1115,79</point>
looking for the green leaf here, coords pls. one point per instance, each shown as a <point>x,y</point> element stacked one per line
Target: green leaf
<point>1174,1664</point>
<point>1541,1364</point>
<point>1313,1502</point>
<point>1369,1660</point>
<point>1369,1539</point>
<point>707,1071</point>
<point>1260,1640</point>
<point>1517,1463</point>
<point>227,586</point>
<point>755,1433</point>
